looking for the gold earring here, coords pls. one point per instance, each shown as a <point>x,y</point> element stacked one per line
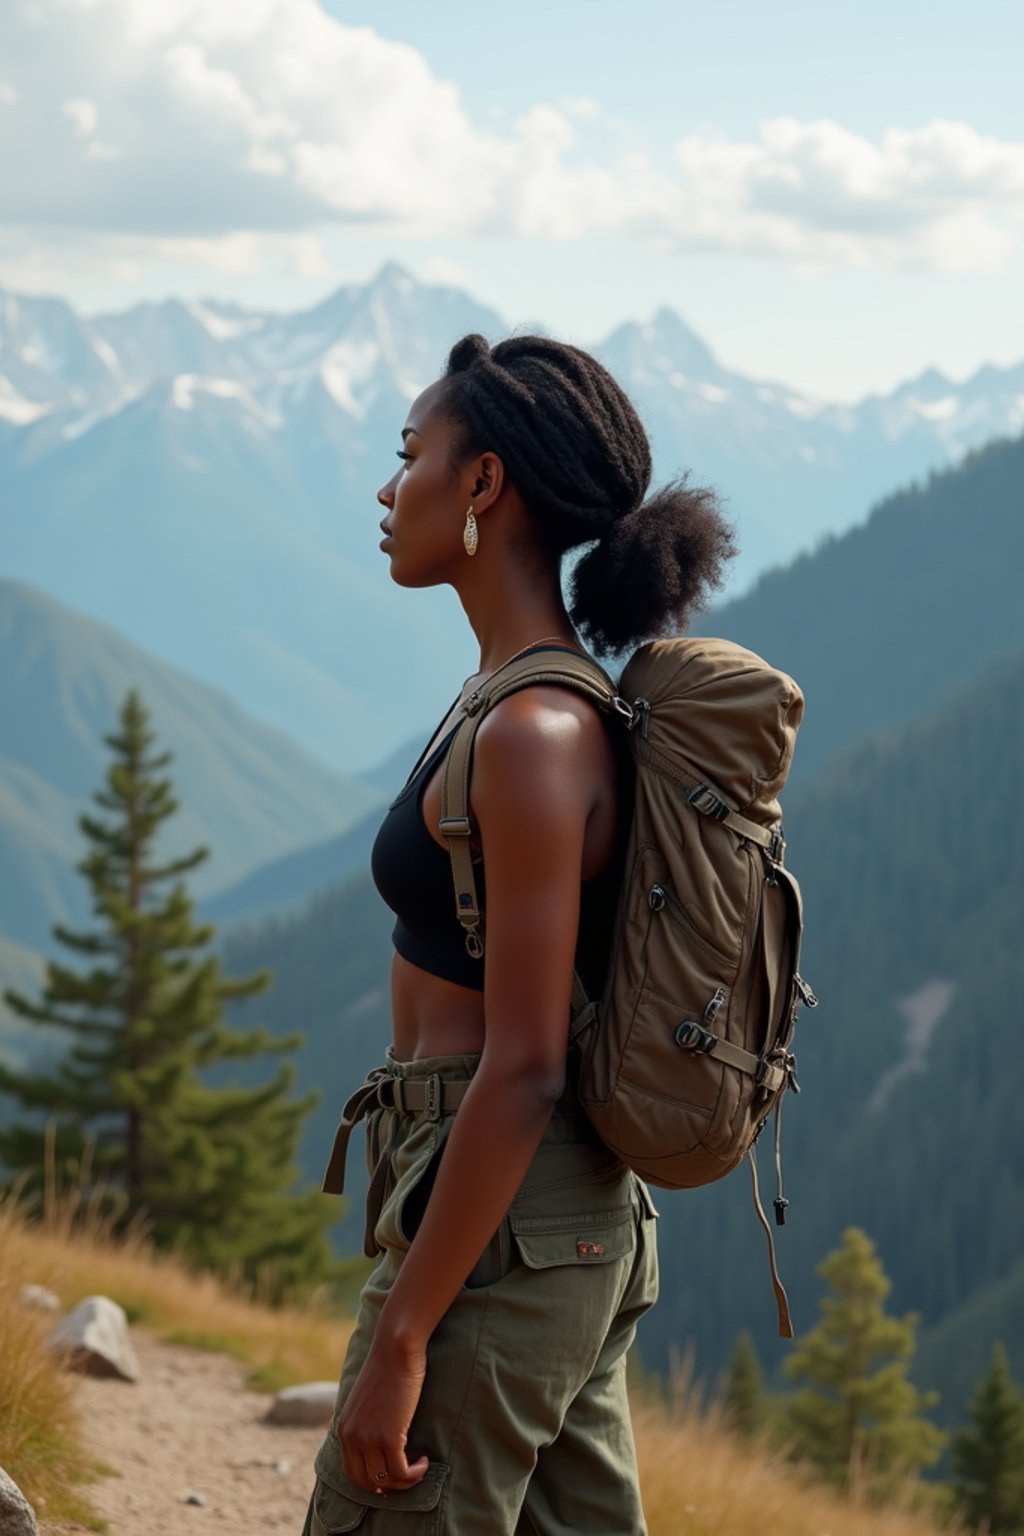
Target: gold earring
<point>470,536</point>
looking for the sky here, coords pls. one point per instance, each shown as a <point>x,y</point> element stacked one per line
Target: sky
<point>830,195</point>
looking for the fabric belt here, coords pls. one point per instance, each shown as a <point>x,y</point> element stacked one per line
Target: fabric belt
<point>434,1097</point>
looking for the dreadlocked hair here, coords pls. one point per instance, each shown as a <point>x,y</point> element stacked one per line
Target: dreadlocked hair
<point>576,450</point>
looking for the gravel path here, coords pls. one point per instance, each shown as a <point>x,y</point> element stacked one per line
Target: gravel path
<point>191,1426</point>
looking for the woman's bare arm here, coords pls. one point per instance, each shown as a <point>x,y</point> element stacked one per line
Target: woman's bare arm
<point>537,762</point>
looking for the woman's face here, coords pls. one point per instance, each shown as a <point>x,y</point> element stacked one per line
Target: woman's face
<point>426,505</point>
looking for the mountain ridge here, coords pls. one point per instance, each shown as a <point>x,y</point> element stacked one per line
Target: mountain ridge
<point>267,435</point>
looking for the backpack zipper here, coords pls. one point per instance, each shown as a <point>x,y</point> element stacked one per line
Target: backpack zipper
<point>662,897</point>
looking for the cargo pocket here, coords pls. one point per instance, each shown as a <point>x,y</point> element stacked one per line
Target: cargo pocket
<point>340,1505</point>
<point>596,1238</point>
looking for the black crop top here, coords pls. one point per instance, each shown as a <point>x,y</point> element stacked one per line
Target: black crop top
<point>413,874</point>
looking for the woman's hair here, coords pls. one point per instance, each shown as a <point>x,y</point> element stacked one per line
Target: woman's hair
<point>575,448</point>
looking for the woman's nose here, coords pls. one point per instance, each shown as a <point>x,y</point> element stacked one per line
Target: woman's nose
<point>386,494</point>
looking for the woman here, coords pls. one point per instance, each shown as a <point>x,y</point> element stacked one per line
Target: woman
<point>484,1386</point>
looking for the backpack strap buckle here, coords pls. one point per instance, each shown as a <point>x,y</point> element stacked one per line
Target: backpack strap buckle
<point>705,799</point>
<point>455,826</point>
<point>694,1037</point>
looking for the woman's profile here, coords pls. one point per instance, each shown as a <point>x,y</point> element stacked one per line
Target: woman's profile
<point>484,1387</point>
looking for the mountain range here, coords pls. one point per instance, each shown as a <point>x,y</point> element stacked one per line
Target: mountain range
<point>203,477</point>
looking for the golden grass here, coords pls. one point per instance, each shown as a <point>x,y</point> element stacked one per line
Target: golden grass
<point>73,1250</point>
<point>40,1436</point>
<point>70,1247</point>
<point>697,1479</point>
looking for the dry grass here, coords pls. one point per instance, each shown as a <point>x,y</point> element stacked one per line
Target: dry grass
<point>700,1480</point>
<point>40,1442</point>
<point>697,1479</point>
<point>70,1248</point>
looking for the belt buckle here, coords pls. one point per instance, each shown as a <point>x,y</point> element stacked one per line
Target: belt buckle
<point>432,1097</point>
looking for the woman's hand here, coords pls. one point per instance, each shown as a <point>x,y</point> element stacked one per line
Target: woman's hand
<point>374,1423</point>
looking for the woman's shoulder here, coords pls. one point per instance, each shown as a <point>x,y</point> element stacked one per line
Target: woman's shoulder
<point>546,717</point>
<point>543,740</point>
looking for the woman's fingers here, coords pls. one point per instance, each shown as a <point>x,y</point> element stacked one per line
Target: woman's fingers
<point>364,1466</point>
<point>403,1474</point>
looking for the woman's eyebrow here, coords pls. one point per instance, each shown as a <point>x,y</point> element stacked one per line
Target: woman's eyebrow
<point>407,430</point>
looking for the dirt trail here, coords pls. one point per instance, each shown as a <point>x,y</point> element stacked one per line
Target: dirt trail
<point>192,1426</point>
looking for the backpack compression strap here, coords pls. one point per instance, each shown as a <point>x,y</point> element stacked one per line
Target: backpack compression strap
<point>565,667</point>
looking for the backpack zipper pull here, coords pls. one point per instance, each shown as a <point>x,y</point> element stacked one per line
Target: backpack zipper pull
<point>805,992</point>
<point>641,715</point>
<point>713,1006</point>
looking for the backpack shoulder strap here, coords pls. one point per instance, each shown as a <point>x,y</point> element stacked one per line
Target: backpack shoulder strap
<point>563,667</point>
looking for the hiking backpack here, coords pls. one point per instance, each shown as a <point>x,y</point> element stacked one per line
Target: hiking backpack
<point>686,1053</point>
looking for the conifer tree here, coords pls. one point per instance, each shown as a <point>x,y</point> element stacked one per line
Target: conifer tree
<point>859,1419</point>
<point>987,1458</point>
<point>743,1398</point>
<point>210,1168</point>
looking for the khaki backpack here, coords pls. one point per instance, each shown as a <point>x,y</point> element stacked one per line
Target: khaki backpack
<point>686,1053</point>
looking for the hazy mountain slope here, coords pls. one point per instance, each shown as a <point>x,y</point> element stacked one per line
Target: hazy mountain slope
<point>878,624</point>
<point>958,1351</point>
<point>286,884</point>
<point>246,791</point>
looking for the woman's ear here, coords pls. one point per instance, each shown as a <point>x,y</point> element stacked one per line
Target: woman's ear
<point>488,483</point>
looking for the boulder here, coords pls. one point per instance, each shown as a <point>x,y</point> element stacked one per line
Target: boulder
<point>17,1517</point>
<point>93,1338</point>
<point>311,1403</point>
<point>40,1298</point>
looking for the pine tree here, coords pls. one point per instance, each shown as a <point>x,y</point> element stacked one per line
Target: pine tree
<point>988,1457</point>
<point>210,1168</point>
<point>743,1398</point>
<point>859,1419</point>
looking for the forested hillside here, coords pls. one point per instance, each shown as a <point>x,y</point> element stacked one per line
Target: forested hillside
<point>879,623</point>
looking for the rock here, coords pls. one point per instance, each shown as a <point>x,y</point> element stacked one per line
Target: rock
<point>39,1297</point>
<point>194,1498</point>
<point>311,1403</point>
<point>17,1517</point>
<point>93,1338</point>
<point>282,1464</point>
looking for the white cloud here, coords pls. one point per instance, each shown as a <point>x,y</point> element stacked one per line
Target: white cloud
<point>452,274</point>
<point>225,123</point>
<point>83,115</point>
<point>37,261</point>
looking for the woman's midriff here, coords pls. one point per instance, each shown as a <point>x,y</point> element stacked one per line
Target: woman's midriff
<point>431,1016</point>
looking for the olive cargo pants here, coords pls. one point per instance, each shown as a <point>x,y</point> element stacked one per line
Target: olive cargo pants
<point>524,1415</point>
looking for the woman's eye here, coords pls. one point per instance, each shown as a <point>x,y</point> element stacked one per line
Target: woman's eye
<point>402,454</point>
